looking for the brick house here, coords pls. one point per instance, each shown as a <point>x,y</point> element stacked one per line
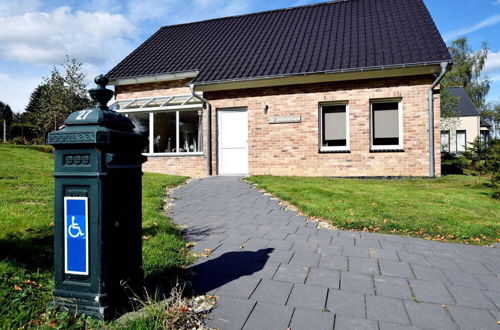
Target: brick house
<point>341,88</point>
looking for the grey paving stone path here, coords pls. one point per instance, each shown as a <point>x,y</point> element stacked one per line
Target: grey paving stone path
<point>274,270</point>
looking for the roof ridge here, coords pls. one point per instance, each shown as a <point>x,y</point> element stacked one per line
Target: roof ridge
<point>258,12</point>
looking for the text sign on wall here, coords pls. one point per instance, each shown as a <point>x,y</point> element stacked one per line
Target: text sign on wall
<point>76,239</point>
<point>284,120</point>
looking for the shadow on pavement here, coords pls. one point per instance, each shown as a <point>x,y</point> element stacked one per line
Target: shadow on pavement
<point>215,273</point>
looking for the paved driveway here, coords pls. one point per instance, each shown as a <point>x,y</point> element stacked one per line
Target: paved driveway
<point>274,270</point>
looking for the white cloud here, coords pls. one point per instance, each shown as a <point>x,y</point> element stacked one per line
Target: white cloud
<point>108,6</point>
<point>142,10</point>
<point>47,37</point>
<point>12,8</point>
<point>16,91</point>
<point>492,62</point>
<point>492,20</point>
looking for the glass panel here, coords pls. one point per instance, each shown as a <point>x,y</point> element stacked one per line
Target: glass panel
<point>385,123</point>
<point>485,136</point>
<point>445,141</point>
<point>141,123</point>
<point>164,132</point>
<point>188,131</point>
<point>334,126</point>
<point>461,141</point>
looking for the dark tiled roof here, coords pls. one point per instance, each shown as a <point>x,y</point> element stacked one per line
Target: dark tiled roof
<point>331,36</point>
<point>465,107</point>
<point>484,123</point>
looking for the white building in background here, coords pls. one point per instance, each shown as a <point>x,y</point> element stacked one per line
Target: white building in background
<point>456,137</point>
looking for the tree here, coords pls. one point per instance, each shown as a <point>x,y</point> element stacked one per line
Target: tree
<point>466,72</point>
<point>492,116</point>
<point>6,116</point>
<point>33,111</point>
<point>59,95</point>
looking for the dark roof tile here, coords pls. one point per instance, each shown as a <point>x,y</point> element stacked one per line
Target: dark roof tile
<point>465,107</point>
<point>325,37</point>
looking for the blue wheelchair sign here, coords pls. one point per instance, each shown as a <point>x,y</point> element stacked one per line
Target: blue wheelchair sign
<point>76,240</point>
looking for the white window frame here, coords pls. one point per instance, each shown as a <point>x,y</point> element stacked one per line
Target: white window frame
<point>446,132</point>
<point>347,133</point>
<point>456,140</point>
<point>400,121</point>
<point>151,152</point>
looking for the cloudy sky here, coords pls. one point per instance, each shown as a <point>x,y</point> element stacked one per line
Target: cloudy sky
<point>37,34</point>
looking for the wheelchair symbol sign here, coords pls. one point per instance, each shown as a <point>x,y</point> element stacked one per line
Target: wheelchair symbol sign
<point>76,243</point>
<point>74,229</point>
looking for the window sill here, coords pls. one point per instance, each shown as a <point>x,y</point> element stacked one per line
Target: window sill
<point>387,150</point>
<point>332,151</point>
<point>174,154</point>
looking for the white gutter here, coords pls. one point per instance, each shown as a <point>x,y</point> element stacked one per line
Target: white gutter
<point>432,156</point>
<point>209,137</point>
<point>154,78</point>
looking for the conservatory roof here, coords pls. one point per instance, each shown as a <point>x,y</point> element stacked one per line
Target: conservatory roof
<point>157,103</point>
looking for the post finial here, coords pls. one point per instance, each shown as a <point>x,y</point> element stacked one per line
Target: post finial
<point>101,94</point>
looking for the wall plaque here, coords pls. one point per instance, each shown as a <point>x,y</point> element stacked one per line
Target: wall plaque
<point>284,120</point>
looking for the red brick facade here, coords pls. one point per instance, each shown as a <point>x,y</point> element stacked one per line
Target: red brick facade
<point>293,148</point>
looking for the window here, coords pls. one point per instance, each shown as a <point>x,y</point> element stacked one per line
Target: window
<point>445,141</point>
<point>173,131</point>
<point>461,141</point>
<point>334,127</point>
<point>386,125</point>
<point>485,135</point>
<point>141,123</point>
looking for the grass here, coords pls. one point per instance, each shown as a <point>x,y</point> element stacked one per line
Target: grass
<point>26,239</point>
<point>451,208</point>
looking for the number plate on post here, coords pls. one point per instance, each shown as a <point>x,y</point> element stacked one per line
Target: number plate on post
<point>76,240</point>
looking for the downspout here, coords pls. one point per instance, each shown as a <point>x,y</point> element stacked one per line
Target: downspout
<point>208,107</point>
<point>432,156</point>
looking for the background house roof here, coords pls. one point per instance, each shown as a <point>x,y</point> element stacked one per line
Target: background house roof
<point>484,123</point>
<point>324,37</point>
<point>465,107</point>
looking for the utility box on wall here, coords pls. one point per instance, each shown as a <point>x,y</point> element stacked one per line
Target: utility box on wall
<point>98,211</point>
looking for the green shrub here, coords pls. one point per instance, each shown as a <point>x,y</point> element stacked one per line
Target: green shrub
<point>19,140</point>
<point>40,147</point>
<point>452,164</point>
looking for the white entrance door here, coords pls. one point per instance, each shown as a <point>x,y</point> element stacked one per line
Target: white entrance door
<point>233,142</point>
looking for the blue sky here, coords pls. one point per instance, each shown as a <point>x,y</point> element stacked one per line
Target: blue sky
<point>37,34</point>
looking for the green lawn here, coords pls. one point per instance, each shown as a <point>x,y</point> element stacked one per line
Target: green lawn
<point>26,238</point>
<point>450,208</point>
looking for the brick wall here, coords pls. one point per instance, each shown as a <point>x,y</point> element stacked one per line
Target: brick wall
<point>292,149</point>
<point>193,166</point>
<point>174,87</point>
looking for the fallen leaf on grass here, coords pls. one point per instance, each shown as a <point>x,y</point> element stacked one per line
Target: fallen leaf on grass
<point>52,324</point>
<point>386,221</point>
<point>28,229</point>
<point>190,244</point>
<point>183,309</point>
<point>146,237</point>
<point>376,229</point>
<point>29,282</point>
<point>17,288</point>
<point>52,224</point>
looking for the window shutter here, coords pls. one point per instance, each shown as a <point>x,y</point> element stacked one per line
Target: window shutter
<point>335,126</point>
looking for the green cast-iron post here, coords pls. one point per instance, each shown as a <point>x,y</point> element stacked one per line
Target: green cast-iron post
<point>98,182</point>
